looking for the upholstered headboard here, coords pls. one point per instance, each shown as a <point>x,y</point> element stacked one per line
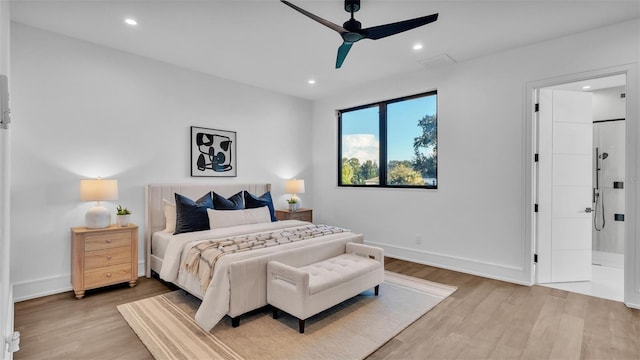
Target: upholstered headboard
<point>154,213</point>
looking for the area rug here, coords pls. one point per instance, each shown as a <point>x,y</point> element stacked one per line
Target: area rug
<point>351,330</point>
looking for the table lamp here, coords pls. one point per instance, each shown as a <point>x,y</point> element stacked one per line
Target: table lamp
<point>98,190</point>
<point>294,187</point>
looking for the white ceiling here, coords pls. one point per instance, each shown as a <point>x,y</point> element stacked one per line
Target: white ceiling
<point>269,45</point>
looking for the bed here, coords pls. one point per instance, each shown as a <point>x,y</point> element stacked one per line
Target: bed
<point>237,282</point>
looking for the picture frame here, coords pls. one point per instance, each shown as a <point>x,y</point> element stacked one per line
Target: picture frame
<point>213,152</point>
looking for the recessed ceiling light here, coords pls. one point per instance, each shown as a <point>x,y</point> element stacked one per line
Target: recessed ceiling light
<point>417,46</point>
<point>311,81</point>
<point>130,21</point>
<point>586,87</point>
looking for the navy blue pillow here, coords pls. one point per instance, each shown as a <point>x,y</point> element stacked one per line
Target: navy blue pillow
<point>192,215</point>
<point>233,203</point>
<point>251,202</point>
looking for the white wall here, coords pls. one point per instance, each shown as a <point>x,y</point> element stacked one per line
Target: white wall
<point>608,104</point>
<point>478,219</point>
<point>82,110</point>
<point>6,305</point>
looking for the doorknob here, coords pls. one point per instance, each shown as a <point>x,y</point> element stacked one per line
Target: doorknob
<point>588,210</point>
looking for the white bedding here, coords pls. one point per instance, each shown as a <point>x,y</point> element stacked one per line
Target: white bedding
<point>159,242</point>
<point>215,300</point>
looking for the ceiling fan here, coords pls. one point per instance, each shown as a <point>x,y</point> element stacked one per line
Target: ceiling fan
<point>352,31</point>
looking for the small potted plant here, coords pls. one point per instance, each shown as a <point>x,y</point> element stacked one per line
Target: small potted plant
<point>293,204</point>
<point>123,216</point>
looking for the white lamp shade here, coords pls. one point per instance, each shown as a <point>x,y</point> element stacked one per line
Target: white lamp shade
<point>294,186</point>
<point>98,190</point>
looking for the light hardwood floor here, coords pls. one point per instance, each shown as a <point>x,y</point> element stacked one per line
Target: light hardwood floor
<point>483,319</point>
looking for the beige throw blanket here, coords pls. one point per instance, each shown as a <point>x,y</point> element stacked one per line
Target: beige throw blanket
<point>202,258</point>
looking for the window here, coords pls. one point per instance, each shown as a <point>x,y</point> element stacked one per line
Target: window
<point>392,143</point>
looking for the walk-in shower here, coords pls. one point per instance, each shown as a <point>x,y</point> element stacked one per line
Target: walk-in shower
<point>608,177</point>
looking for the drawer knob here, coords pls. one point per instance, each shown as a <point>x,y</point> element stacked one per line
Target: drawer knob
<point>109,241</point>
<point>108,274</point>
<point>108,257</point>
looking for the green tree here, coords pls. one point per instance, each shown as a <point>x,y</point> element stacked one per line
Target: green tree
<point>393,163</point>
<point>354,173</point>
<point>347,172</point>
<point>354,163</point>
<point>369,170</point>
<point>426,164</point>
<point>402,174</point>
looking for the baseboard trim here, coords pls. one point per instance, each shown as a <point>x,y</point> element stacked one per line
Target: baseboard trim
<point>512,274</point>
<point>632,306</point>
<point>32,289</point>
<point>8,330</point>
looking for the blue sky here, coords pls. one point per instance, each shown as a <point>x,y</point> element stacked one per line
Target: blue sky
<point>360,129</point>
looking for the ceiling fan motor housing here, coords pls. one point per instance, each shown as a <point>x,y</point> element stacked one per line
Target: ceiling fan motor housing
<point>351,5</point>
<point>352,25</point>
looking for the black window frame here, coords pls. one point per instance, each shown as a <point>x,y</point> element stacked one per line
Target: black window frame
<point>382,149</point>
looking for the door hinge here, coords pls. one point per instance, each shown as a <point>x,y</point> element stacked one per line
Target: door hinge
<point>535,157</point>
<point>536,107</point>
<point>535,258</point>
<point>535,208</point>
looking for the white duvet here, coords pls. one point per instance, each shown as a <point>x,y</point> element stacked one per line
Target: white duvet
<point>215,300</point>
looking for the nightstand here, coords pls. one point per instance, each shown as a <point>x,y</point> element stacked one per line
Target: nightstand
<point>101,257</point>
<point>300,214</point>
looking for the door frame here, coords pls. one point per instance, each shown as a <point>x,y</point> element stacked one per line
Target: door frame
<point>632,250</point>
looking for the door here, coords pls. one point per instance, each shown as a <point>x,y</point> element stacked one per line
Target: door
<point>565,138</point>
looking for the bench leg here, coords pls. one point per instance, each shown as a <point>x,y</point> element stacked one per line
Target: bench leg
<point>301,326</point>
<point>275,313</point>
<point>375,289</point>
<point>235,322</point>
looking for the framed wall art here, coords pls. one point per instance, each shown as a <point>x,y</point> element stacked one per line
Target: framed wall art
<point>213,152</point>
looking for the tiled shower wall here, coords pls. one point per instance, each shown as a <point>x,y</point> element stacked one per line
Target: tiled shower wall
<point>609,137</point>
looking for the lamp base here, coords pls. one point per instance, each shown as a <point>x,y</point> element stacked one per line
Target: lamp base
<point>97,217</point>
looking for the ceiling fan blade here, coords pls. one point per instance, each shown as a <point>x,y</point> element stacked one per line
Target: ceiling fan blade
<point>343,50</point>
<point>379,32</point>
<point>322,21</point>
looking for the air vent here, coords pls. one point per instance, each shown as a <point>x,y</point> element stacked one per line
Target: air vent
<point>436,61</point>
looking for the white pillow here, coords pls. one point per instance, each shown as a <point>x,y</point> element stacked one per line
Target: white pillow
<point>226,218</point>
<point>169,216</point>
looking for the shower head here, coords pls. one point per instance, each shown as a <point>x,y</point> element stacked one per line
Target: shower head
<point>604,155</point>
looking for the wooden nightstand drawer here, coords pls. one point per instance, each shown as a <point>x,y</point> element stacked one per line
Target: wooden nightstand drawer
<point>106,257</point>
<point>107,275</point>
<point>106,241</point>
<point>300,214</point>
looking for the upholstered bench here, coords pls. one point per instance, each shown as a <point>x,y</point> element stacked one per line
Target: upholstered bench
<point>307,290</point>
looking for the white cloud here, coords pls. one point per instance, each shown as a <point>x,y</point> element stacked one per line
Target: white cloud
<point>360,146</point>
